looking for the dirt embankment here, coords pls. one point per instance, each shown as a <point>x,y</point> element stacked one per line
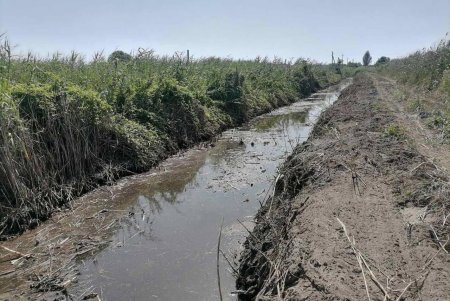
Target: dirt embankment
<point>359,212</point>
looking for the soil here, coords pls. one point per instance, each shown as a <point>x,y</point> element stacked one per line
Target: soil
<point>360,210</point>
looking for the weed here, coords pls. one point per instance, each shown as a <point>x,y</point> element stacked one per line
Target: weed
<point>394,131</point>
<point>417,105</point>
<point>376,106</point>
<point>441,123</point>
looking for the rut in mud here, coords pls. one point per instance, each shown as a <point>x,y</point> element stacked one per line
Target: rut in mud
<point>358,211</point>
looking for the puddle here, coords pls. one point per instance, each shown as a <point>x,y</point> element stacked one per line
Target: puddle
<point>165,247</point>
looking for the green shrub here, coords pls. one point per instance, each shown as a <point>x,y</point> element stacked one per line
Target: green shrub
<point>382,60</point>
<point>354,65</point>
<point>120,56</point>
<point>305,81</point>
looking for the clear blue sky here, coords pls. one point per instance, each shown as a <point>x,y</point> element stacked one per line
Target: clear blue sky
<point>235,28</point>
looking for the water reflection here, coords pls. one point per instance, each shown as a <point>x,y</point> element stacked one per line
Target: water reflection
<point>280,120</point>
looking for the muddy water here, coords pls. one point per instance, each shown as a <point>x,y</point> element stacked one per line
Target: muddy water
<point>165,247</point>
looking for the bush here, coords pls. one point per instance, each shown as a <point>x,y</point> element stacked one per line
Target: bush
<point>354,65</point>
<point>382,60</point>
<point>119,56</point>
<point>305,80</point>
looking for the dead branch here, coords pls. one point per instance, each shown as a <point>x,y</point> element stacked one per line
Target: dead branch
<point>436,238</point>
<point>229,263</point>
<point>218,265</point>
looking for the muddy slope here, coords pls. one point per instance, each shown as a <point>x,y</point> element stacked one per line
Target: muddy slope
<point>357,196</point>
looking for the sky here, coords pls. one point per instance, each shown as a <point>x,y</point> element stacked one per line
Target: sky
<point>232,28</point>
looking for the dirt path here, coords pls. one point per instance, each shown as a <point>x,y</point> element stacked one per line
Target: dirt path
<point>368,191</point>
<point>424,138</point>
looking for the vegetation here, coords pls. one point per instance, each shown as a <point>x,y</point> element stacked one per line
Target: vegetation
<point>67,125</point>
<point>429,70</point>
<point>394,131</point>
<point>119,55</point>
<point>354,65</point>
<point>367,58</point>
<point>382,60</point>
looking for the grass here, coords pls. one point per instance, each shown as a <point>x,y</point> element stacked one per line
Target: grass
<point>394,131</point>
<point>68,125</point>
<point>441,123</point>
<point>428,68</point>
<point>428,72</point>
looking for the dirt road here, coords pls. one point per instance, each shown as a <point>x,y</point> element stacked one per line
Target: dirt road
<point>360,211</point>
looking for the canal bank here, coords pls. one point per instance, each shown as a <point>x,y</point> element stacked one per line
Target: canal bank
<point>360,209</point>
<point>154,235</point>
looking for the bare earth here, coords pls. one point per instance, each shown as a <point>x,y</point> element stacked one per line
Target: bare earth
<point>369,191</point>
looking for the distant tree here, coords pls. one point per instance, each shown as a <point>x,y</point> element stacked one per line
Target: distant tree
<point>119,55</point>
<point>382,60</point>
<point>367,59</point>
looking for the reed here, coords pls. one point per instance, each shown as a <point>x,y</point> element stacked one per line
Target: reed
<point>68,124</point>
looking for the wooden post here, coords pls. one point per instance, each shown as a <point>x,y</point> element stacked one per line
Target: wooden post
<point>187,62</point>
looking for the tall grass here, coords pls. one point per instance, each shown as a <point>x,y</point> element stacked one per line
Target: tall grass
<point>67,124</point>
<point>429,68</point>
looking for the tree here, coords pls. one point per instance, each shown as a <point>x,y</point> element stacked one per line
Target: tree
<point>382,60</point>
<point>119,55</point>
<point>367,59</point>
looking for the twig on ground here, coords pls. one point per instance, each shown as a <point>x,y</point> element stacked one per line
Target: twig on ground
<point>357,254</point>
<point>16,252</point>
<point>444,220</point>
<point>436,238</point>
<point>404,291</point>
<point>6,273</point>
<point>229,263</point>
<point>360,257</point>
<point>218,265</point>
<point>273,193</point>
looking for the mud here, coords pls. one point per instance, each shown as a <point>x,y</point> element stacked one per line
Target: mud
<point>359,210</point>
